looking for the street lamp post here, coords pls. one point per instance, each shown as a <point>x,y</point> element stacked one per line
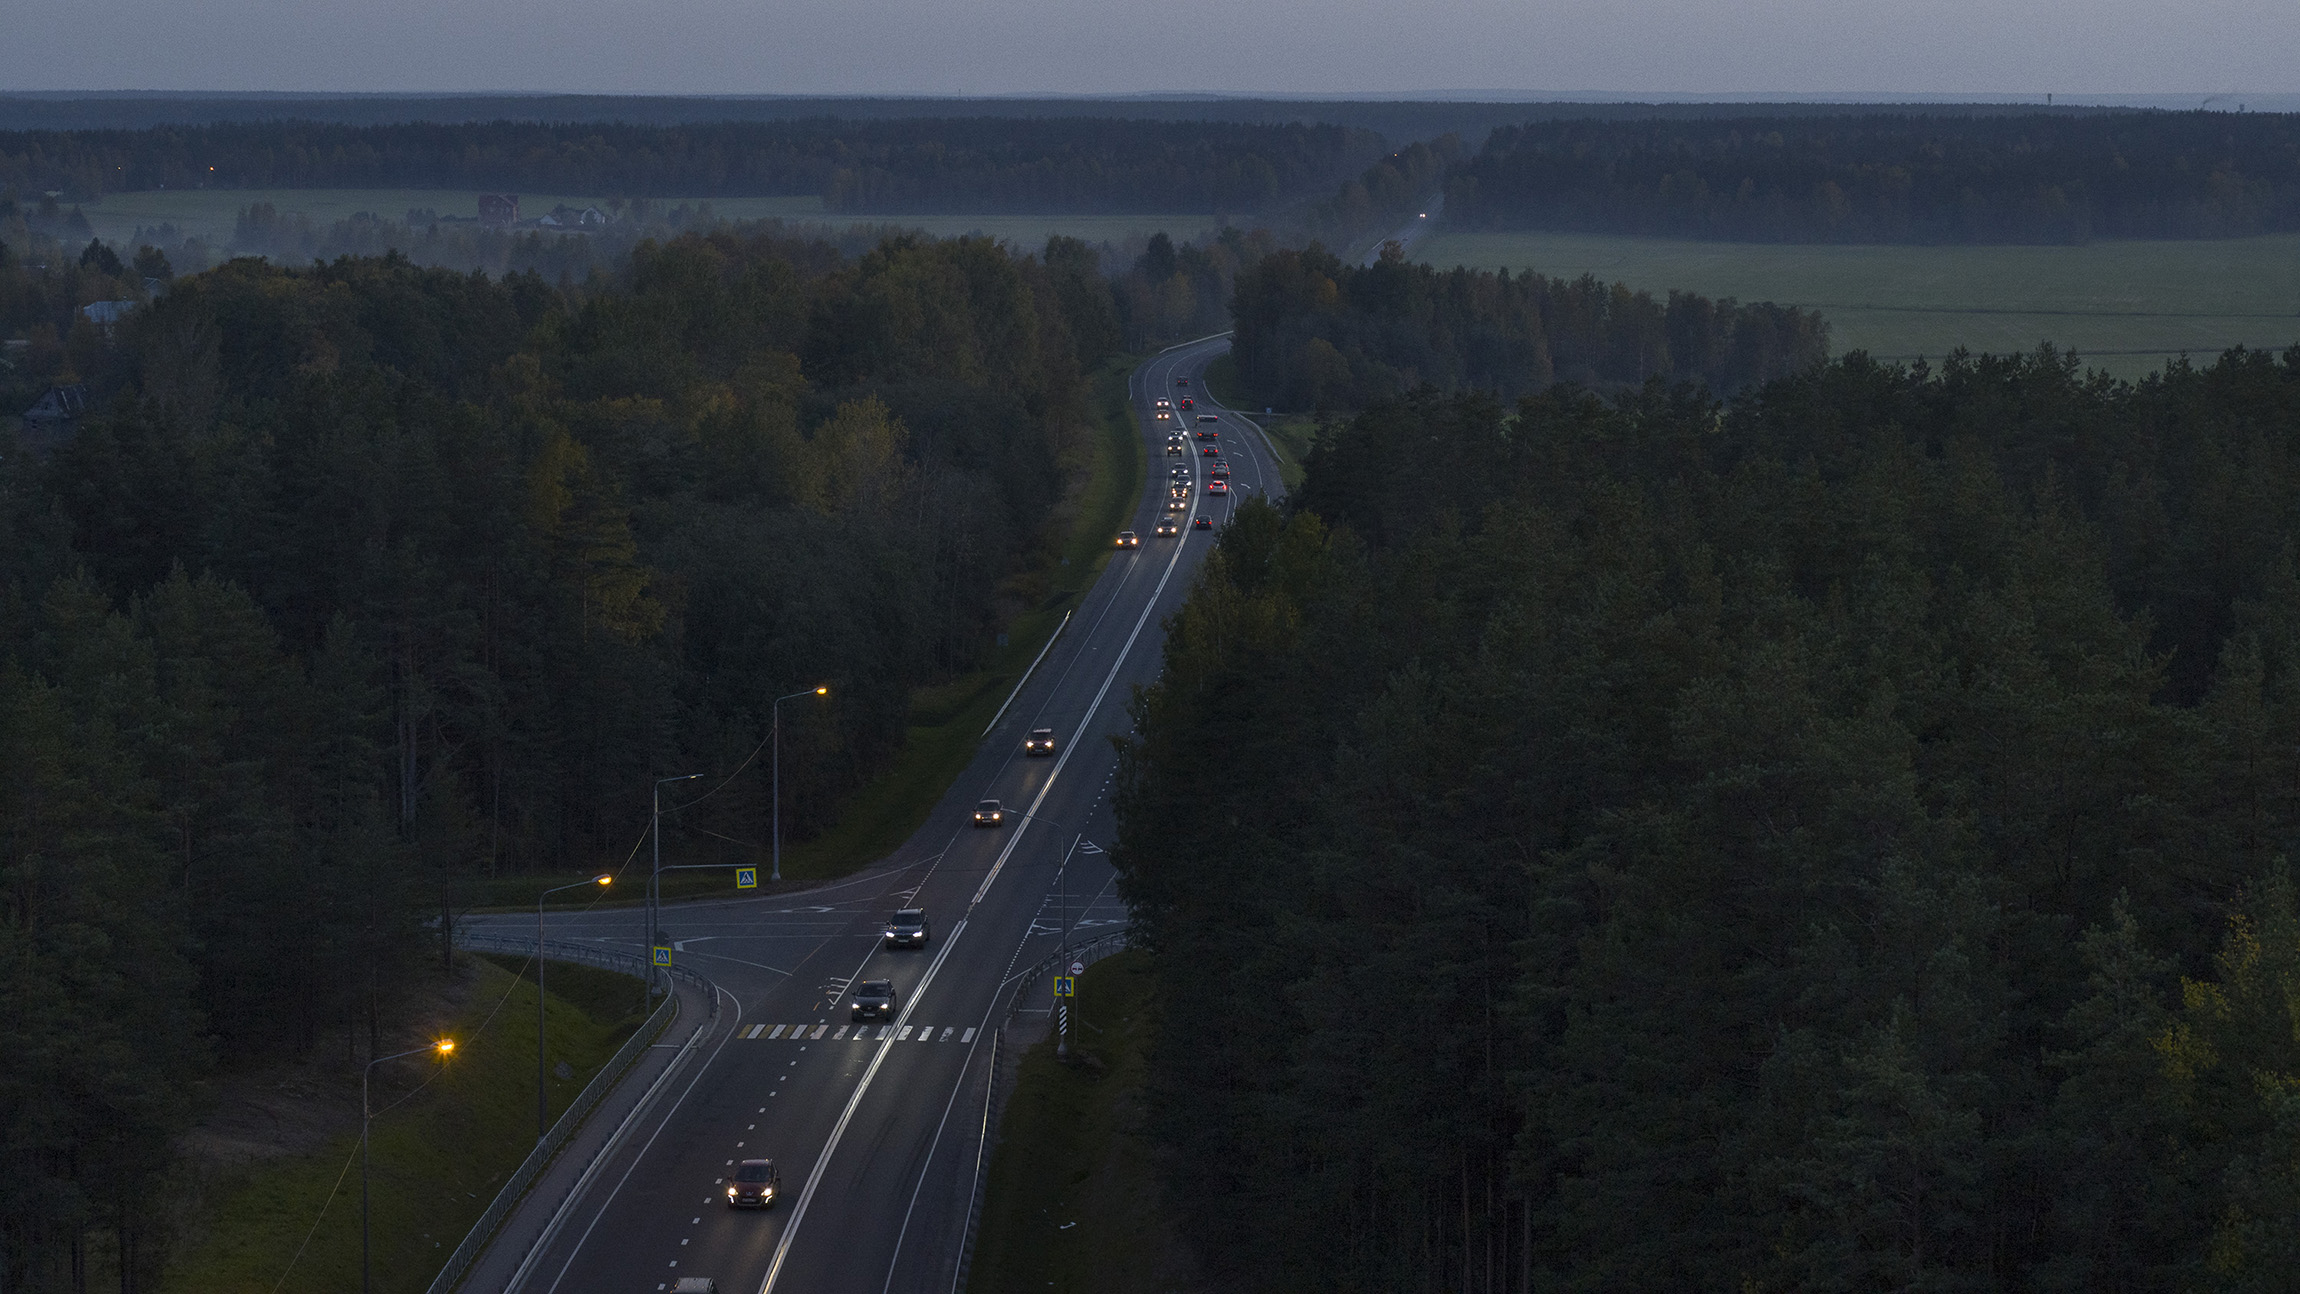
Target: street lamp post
<point>777,726</point>
<point>542,1100</point>
<point>443,1047</point>
<point>655,877</point>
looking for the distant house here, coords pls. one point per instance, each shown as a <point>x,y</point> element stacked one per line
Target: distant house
<point>106,313</point>
<point>48,422</point>
<point>499,208</point>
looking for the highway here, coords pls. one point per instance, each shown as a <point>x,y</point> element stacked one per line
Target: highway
<point>876,1130</point>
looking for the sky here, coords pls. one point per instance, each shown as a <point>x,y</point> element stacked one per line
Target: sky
<point>1983,48</point>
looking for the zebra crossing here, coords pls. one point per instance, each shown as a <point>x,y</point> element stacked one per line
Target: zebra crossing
<point>858,1033</point>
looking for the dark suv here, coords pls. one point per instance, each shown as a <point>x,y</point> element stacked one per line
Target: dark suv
<point>874,999</point>
<point>1039,742</point>
<point>755,1185</point>
<point>907,929</point>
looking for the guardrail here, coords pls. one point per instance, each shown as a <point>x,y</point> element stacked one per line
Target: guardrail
<point>993,1102</point>
<point>515,1188</point>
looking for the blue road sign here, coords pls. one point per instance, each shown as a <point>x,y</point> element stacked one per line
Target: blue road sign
<point>1063,985</point>
<point>662,955</point>
<point>746,878</point>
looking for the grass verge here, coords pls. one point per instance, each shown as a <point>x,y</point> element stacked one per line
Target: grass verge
<point>1073,1186</point>
<point>1289,434</point>
<point>442,1143</point>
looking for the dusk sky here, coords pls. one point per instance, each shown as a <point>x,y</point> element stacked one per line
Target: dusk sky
<point>1979,47</point>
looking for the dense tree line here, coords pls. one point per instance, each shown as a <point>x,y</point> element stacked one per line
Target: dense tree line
<point>1387,196</point>
<point>1903,178</point>
<point>1316,333</point>
<point>970,164</point>
<point>367,578</point>
<point>1835,840</point>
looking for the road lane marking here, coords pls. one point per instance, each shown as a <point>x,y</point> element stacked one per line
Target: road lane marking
<point>818,1030</point>
<point>968,1036</point>
<point>903,1034</point>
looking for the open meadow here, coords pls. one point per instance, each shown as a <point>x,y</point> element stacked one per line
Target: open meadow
<point>2126,307</point>
<point>209,213</point>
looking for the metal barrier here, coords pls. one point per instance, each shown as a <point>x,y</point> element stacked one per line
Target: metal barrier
<point>993,1102</point>
<point>610,1074</point>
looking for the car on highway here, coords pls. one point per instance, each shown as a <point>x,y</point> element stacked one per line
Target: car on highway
<point>989,813</point>
<point>1202,523</point>
<point>1180,473</point>
<point>1167,529</point>
<point>906,929</point>
<point>1128,539</point>
<point>1180,491</point>
<point>1184,380</point>
<point>1217,487</point>
<point>1173,446</point>
<point>1217,469</point>
<point>1209,449</point>
<point>1189,403</point>
<point>1208,433</point>
<point>1209,417</point>
<point>874,999</point>
<point>1177,505</point>
<point>1039,742</point>
<point>755,1185</point>
<point>695,1285</point>
<point>1165,403</point>
<point>1163,415</point>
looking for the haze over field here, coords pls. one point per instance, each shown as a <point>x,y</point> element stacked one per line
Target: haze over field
<point>1988,48</point>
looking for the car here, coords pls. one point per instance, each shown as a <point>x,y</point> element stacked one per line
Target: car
<point>1173,446</point>
<point>1217,469</point>
<point>1181,474</point>
<point>1209,449</point>
<point>695,1285</point>
<point>1209,433</point>
<point>1163,415</point>
<point>1180,491</point>
<point>1177,505</point>
<point>907,929</point>
<point>1189,403</point>
<point>1202,523</point>
<point>1167,529</point>
<point>1182,381</point>
<point>989,813</point>
<point>1128,539</point>
<point>874,999</point>
<point>1209,417</point>
<point>1165,403</point>
<point>754,1186</point>
<point>1039,742</point>
<point>1217,487</point>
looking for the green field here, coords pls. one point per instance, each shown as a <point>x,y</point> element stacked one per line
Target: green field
<point>2127,307</point>
<point>208,213</point>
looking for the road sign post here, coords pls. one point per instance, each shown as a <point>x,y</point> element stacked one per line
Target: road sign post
<point>746,878</point>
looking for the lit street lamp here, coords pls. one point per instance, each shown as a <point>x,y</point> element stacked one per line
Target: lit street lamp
<point>443,1047</point>
<point>542,1100</point>
<point>777,726</point>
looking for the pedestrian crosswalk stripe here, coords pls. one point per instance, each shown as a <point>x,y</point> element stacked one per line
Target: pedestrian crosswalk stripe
<point>861,1032</point>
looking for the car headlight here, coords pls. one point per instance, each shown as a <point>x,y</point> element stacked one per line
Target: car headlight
<point>730,1192</point>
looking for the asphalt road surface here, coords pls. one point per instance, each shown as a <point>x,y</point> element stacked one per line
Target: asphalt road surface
<point>876,1129</point>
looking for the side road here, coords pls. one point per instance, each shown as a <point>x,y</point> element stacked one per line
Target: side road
<point>527,1222</point>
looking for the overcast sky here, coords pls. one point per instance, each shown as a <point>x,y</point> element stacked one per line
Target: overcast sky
<point>1978,47</point>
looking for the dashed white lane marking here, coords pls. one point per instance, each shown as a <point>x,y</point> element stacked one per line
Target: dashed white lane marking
<point>902,1034</point>
<point>968,1036</point>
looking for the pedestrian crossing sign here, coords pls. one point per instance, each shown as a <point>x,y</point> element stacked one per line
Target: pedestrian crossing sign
<point>662,955</point>
<point>1063,985</point>
<point>746,878</point>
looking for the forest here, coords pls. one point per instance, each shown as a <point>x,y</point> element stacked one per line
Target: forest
<point>1910,177</point>
<point>1314,333</point>
<point>977,165</point>
<point>367,579</point>
<point>1834,839</point>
